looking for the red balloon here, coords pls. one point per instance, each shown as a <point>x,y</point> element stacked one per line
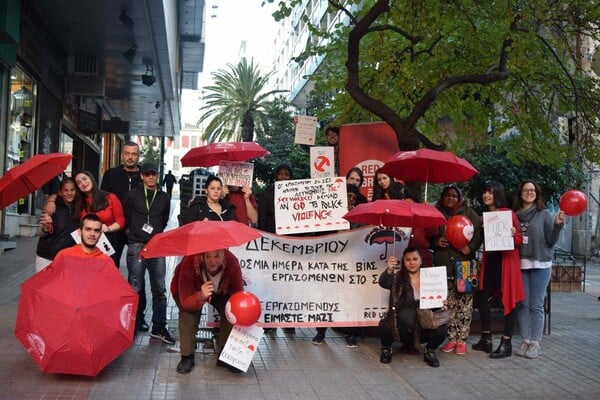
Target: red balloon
<point>243,308</point>
<point>573,202</point>
<point>459,231</point>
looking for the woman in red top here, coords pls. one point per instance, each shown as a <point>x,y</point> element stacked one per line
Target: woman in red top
<point>211,277</point>
<point>104,204</point>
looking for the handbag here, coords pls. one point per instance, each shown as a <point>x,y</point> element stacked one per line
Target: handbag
<point>429,319</point>
<point>467,275</point>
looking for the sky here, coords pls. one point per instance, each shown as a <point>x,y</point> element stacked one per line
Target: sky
<point>233,22</point>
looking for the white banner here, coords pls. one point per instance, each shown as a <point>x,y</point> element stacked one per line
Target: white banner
<point>329,280</point>
<point>310,205</point>
<point>306,129</point>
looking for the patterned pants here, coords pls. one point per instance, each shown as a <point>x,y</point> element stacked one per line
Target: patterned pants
<point>461,312</point>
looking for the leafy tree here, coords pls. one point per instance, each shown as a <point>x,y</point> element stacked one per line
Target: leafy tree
<point>236,103</point>
<point>149,152</point>
<point>277,136</point>
<point>513,67</point>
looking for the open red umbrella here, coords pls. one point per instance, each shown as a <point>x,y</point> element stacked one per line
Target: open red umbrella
<point>212,154</point>
<point>34,173</point>
<point>76,315</point>
<point>396,213</point>
<point>429,166</point>
<point>199,237</point>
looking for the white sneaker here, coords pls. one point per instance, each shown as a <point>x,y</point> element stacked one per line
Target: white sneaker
<point>522,349</point>
<point>533,351</point>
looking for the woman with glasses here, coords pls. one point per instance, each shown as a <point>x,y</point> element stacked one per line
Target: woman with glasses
<point>451,203</point>
<point>540,232</point>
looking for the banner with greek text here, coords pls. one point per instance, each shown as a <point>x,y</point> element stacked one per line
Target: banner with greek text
<point>329,280</point>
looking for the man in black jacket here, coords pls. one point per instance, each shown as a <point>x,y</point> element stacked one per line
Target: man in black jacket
<point>147,211</point>
<point>121,180</point>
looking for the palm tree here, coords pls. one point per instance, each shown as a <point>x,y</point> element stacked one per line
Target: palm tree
<point>235,103</point>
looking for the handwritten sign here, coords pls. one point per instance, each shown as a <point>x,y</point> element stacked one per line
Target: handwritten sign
<point>322,162</point>
<point>235,173</point>
<point>103,244</point>
<point>241,346</point>
<point>434,287</point>
<point>497,232</point>
<point>329,280</point>
<point>306,129</point>
<point>310,205</point>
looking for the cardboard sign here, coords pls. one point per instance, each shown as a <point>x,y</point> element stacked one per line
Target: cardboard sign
<point>497,232</point>
<point>306,129</point>
<point>322,162</point>
<point>434,287</point>
<point>241,346</point>
<point>310,205</point>
<point>234,173</point>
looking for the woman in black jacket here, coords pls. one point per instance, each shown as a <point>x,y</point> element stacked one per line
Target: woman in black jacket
<point>211,206</point>
<point>56,235</point>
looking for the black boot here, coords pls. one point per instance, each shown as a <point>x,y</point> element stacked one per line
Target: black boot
<point>485,343</point>
<point>504,350</point>
<point>186,364</point>
<point>386,354</point>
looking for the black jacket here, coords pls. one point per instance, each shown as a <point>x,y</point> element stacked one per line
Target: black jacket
<point>199,210</point>
<point>137,213</point>
<point>120,182</point>
<point>64,221</point>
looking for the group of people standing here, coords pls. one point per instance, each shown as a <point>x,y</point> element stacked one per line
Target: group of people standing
<point>129,208</point>
<point>519,277</point>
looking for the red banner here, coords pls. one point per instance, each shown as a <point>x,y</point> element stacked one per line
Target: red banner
<point>366,146</point>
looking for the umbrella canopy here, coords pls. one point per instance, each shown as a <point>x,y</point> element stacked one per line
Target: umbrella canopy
<point>429,166</point>
<point>199,237</point>
<point>76,315</point>
<point>34,173</point>
<point>212,154</point>
<point>396,213</point>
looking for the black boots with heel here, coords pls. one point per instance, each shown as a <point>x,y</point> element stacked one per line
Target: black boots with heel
<point>504,350</point>
<point>485,343</point>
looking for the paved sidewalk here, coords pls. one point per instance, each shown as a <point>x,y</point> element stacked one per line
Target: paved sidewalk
<point>290,367</point>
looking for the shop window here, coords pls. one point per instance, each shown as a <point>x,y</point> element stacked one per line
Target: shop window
<point>21,127</point>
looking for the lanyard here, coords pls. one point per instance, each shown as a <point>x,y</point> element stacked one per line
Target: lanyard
<point>148,205</point>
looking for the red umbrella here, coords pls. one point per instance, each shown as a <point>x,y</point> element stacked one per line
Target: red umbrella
<point>26,178</point>
<point>199,237</point>
<point>76,315</point>
<point>396,213</point>
<point>212,154</point>
<point>429,166</point>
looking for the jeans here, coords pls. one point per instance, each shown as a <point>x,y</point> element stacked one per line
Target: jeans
<point>157,268</point>
<point>531,310</point>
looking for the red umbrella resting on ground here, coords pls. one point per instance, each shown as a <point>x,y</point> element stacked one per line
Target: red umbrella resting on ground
<point>76,315</point>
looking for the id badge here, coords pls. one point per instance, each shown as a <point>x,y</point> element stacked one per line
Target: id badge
<point>525,239</point>
<point>148,228</point>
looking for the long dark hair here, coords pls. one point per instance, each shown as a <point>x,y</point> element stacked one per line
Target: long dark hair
<point>395,191</point>
<point>539,200</point>
<point>403,278</point>
<point>99,200</point>
<point>499,193</point>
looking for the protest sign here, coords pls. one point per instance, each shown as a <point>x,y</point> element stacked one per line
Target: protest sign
<point>234,173</point>
<point>434,287</point>
<point>322,162</point>
<point>497,231</point>
<point>329,280</point>
<point>310,205</point>
<point>241,346</point>
<point>306,129</point>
